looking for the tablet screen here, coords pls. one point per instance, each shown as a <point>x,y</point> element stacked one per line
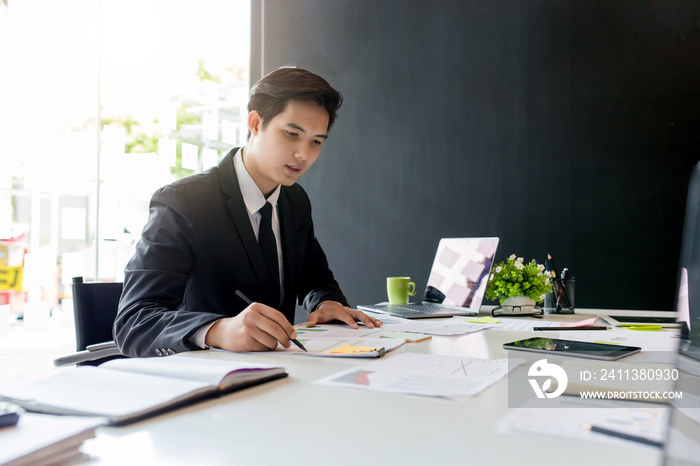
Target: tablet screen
<point>573,348</point>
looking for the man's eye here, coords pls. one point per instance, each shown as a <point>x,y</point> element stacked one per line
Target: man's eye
<point>292,134</point>
<point>317,142</point>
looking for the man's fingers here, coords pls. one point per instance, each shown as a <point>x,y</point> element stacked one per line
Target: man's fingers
<point>348,319</point>
<point>329,311</point>
<point>275,316</point>
<point>265,339</point>
<point>369,322</point>
<point>255,345</point>
<point>268,326</point>
<point>271,328</point>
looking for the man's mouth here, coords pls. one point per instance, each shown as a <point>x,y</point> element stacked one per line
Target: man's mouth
<point>293,170</point>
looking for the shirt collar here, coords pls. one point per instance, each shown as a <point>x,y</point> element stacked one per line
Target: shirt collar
<point>252,196</point>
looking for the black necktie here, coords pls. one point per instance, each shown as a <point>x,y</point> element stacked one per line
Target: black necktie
<point>268,247</point>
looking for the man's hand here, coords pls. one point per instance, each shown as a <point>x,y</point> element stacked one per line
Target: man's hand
<point>257,328</point>
<point>330,310</point>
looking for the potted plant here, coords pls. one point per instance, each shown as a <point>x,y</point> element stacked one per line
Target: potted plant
<point>517,286</point>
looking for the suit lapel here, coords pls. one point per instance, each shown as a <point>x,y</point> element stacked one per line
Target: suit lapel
<point>241,220</point>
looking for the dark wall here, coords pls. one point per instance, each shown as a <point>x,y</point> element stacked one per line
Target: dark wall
<point>561,126</point>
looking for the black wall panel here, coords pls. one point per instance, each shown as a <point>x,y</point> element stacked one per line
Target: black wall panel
<point>562,126</point>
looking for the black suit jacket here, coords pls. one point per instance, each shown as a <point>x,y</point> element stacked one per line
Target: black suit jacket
<point>197,248</point>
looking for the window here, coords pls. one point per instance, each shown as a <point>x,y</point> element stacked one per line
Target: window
<point>103,102</point>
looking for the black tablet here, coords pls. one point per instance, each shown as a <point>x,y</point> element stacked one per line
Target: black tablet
<point>581,349</point>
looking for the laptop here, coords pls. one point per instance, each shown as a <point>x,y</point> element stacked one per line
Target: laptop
<point>456,283</point>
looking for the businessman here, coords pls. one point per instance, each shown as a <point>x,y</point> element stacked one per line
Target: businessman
<point>244,225</point>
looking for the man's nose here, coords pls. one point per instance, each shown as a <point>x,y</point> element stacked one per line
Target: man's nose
<point>302,152</point>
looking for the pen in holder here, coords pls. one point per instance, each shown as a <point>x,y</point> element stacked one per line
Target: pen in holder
<point>561,299</point>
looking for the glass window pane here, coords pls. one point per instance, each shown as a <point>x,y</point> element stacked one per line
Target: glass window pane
<point>173,74</point>
<point>108,91</point>
<point>48,141</point>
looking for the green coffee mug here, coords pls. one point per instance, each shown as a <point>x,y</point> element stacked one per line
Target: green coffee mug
<point>399,289</point>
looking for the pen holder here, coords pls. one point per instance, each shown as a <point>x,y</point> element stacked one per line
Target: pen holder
<point>561,299</point>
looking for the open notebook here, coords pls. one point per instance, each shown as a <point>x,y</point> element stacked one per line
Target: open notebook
<point>124,390</point>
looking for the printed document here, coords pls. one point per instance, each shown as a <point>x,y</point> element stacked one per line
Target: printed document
<point>423,374</point>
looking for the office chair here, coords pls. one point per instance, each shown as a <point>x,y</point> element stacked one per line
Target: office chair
<point>95,307</point>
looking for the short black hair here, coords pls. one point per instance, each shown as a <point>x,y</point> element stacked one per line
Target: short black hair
<point>271,94</point>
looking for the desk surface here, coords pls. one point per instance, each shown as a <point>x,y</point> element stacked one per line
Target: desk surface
<point>294,422</point>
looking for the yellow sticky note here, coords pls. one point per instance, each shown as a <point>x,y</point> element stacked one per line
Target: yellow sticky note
<point>483,320</point>
<point>348,349</point>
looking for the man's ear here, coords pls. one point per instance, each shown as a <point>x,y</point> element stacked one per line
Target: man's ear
<point>254,123</point>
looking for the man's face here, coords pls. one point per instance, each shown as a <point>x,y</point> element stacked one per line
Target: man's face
<point>287,147</point>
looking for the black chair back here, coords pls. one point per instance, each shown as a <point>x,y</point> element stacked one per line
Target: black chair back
<point>95,306</point>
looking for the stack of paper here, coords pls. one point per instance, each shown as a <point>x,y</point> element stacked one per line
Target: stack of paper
<point>40,439</point>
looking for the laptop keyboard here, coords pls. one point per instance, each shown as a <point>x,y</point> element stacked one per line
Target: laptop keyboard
<point>424,308</point>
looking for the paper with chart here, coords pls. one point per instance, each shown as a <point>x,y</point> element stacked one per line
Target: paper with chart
<point>446,327</point>
<point>357,346</point>
<point>337,331</point>
<point>423,374</point>
<point>568,417</point>
<point>452,327</point>
<point>523,325</point>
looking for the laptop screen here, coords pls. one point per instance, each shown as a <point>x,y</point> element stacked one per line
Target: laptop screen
<point>460,271</point>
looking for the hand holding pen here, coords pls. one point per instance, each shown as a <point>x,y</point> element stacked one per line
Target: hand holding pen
<point>256,328</point>
<point>249,302</point>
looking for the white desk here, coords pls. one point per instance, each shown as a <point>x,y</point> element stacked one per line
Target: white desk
<point>294,422</point>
